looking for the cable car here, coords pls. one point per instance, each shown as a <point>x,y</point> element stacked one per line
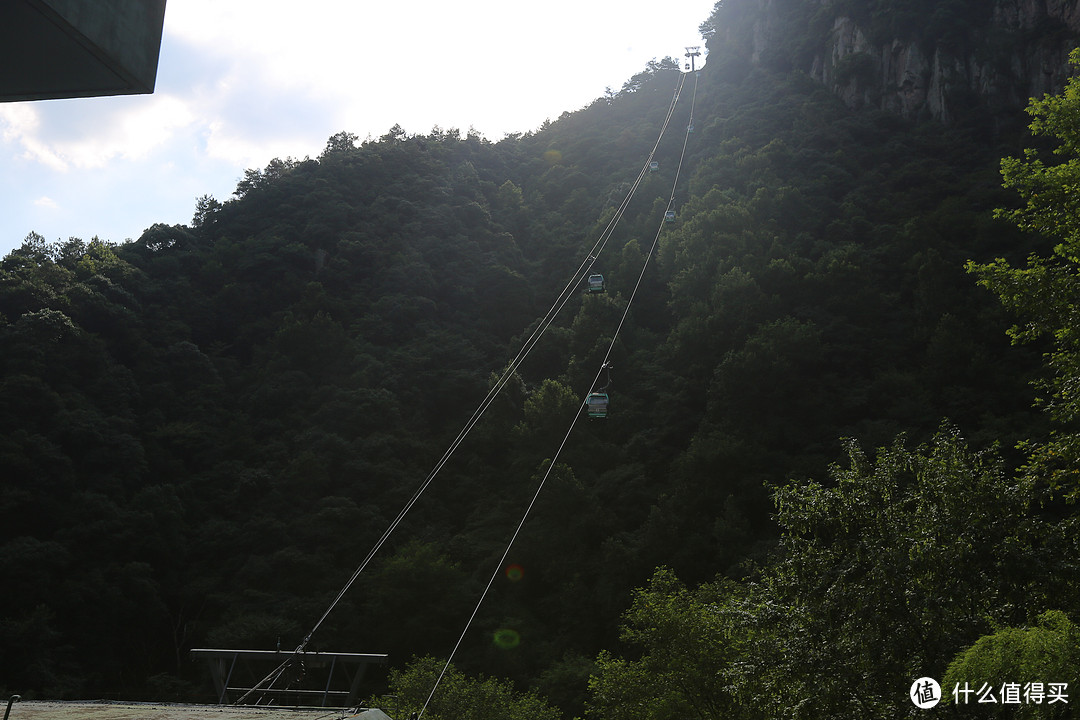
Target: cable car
<point>596,283</point>
<point>597,404</point>
<point>669,216</point>
<point>654,166</point>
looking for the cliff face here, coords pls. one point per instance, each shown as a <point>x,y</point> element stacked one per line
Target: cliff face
<point>995,59</point>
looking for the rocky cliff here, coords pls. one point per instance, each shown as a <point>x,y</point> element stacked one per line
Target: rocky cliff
<point>950,59</point>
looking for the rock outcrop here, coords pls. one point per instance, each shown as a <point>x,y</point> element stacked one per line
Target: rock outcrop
<point>1013,50</point>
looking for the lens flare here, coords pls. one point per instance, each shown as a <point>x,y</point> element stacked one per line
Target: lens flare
<point>514,572</point>
<point>507,639</point>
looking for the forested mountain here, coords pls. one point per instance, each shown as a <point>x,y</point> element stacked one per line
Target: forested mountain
<point>205,430</point>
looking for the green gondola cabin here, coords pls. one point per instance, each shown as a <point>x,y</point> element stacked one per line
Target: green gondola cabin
<point>597,405</point>
<point>596,284</point>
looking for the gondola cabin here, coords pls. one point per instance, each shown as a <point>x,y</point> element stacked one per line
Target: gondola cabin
<point>596,283</point>
<point>654,166</point>
<point>669,216</point>
<point>597,404</point>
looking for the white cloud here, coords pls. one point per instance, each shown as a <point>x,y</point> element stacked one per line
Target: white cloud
<point>150,126</point>
<point>19,118</point>
<point>129,133</point>
<point>46,202</point>
<point>21,124</point>
<point>68,134</point>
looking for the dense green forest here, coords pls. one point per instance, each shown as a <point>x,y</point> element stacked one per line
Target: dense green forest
<point>824,473</point>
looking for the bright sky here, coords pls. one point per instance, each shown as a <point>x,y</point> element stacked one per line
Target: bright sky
<point>241,82</point>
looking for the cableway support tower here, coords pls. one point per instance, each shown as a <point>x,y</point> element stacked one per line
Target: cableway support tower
<point>693,52</point>
<point>322,679</point>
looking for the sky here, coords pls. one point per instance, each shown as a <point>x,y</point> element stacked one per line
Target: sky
<point>241,82</point>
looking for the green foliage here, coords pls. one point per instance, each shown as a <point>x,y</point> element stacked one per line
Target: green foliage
<point>416,598</point>
<point>1043,292</point>
<point>460,696</point>
<point>547,411</point>
<point>690,644</point>
<point>880,577</point>
<point>1043,654</point>
<point>903,559</point>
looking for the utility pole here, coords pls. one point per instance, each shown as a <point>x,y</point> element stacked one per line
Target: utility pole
<point>692,52</point>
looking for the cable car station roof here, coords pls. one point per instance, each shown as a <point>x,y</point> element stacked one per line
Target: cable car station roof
<point>53,49</point>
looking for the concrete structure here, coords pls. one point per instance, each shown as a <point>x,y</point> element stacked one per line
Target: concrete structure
<point>76,48</point>
<point>105,710</point>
